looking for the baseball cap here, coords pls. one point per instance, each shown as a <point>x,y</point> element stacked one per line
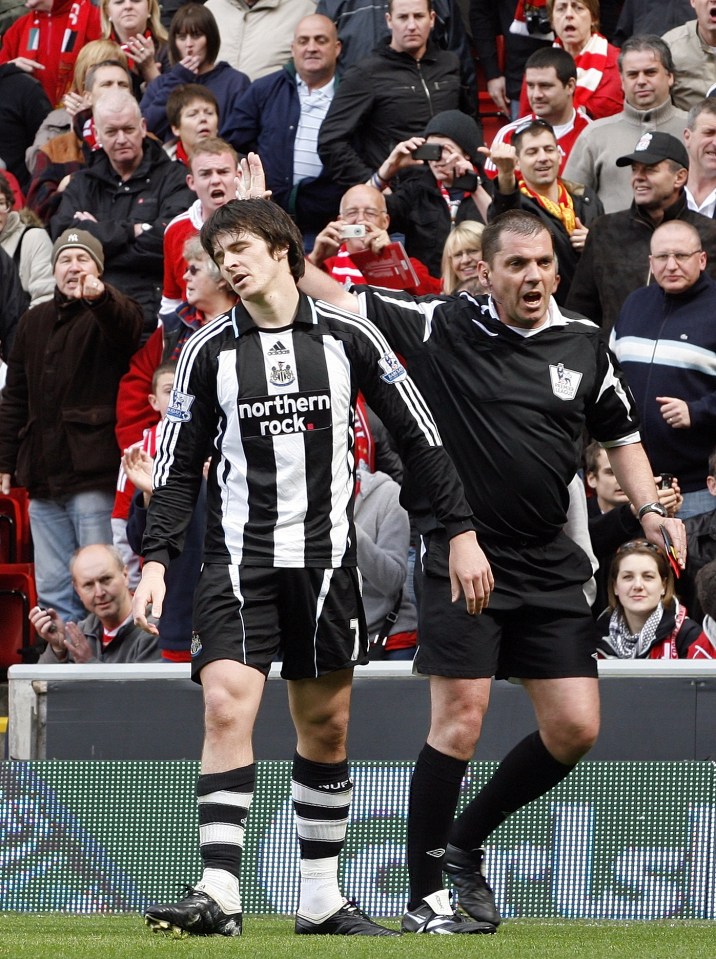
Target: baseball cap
<point>79,238</point>
<point>653,147</point>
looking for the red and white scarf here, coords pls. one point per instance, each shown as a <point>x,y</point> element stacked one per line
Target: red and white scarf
<point>590,67</point>
<point>519,24</point>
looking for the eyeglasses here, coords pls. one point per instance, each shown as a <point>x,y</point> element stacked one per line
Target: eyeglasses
<point>530,124</point>
<point>663,258</point>
<point>193,269</point>
<point>368,213</point>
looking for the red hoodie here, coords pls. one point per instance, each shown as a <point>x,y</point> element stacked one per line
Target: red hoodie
<point>53,39</point>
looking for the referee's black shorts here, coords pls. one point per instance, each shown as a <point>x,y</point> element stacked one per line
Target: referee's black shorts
<point>311,619</point>
<point>538,624</point>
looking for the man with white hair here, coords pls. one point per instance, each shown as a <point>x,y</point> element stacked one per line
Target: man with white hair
<point>125,197</point>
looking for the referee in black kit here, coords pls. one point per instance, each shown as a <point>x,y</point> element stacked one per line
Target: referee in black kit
<point>269,392</point>
<point>512,382</point>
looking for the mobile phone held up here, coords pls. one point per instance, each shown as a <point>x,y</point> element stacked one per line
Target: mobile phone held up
<point>428,151</point>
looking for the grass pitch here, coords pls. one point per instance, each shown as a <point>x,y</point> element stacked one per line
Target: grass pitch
<point>59,936</point>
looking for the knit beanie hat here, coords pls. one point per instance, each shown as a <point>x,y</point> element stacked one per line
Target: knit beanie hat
<point>459,127</point>
<point>81,239</point>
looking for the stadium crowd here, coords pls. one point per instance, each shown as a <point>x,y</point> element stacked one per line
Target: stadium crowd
<point>392,138</point>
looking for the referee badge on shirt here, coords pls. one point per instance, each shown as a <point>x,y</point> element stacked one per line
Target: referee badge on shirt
<point>565,383</point>
<point>393,369</point>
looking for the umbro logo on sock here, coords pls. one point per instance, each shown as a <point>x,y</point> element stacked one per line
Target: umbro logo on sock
<point>435,853</point>
<point>336,787</point>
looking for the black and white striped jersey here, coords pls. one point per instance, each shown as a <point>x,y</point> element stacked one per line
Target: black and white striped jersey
<point>275,410</point>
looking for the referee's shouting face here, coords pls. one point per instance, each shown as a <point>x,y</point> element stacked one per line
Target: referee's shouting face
<point>519,268</point>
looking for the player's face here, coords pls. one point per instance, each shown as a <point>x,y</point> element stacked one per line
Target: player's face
<point>676,258</point>
<point>410,23</point>
<point>548,97</point>
<point>212,179</point>
<point>522,278</point>
<point>69,267</point>
<point>638,585</point>
<point>248,266</point>
<point>539,158</point>
<point>604,483</point>
<point>646,82</point>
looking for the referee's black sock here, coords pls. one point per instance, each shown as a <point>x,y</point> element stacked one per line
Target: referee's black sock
<point>526,772</point>
<point>434,792</point>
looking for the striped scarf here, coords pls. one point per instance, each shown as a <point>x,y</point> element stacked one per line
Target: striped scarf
<point>563,209</point>
<point>519,24</point>
<point>591,63</point>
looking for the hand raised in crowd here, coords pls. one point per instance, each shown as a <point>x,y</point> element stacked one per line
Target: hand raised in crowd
<point>191,63</point>
<point>89,287</point>
<point>27,65</point>
<point>578,236</point>
<point>251,181</point>
<point>75,103</point>
<point>142,50</point>
<point>675,412</point>
<point>327,243</point>
<point>504,156</point>
<point>400,157</point>
<point>137,464</point>
<point>77,643</point>
<point>63,637</point>
<point>670,498</point>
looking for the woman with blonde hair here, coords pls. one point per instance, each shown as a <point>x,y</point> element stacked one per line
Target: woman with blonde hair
<point>136,26</point>
<point>461,254</point>
<point>645,619</point>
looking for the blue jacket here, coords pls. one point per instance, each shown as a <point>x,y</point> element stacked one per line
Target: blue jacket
<point>265,119</point>
<point>226,83</point>
<point>666,345</point>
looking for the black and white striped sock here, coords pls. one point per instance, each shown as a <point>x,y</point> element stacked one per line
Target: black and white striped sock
<point>224,800</point>
<point>321,802</point>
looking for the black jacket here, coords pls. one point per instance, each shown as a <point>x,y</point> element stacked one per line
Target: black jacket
<point>23,107</point>
<point>615,259</point>
<point>587,207</point>
<point>418,210</point>
<point>383,100</point>
<point>155,193</point>
<point>701,542</point>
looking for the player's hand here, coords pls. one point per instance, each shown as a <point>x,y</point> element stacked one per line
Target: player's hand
<point>251,181</point>
<point>470,573</point>
<point>149,597</point>
<point>651,523</point>
<point>675,412</point>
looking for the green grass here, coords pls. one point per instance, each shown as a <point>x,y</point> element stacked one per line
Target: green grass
<point>56,936</point>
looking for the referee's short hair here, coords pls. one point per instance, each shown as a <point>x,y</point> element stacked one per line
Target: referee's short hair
<point>261,218</point>
<point>514,221</point>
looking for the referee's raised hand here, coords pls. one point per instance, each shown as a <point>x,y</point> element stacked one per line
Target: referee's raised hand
<point>470,573</point>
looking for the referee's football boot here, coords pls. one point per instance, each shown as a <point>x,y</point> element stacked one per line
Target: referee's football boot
<point>196,915</point>
<point>474,894</point>
<point>349,920</point>
<point>436,916</point>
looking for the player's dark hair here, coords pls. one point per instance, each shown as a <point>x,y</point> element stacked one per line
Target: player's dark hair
<point>514,221</point>
<point>261,218</point>
<point>531,128</point>
<point>557,57</point>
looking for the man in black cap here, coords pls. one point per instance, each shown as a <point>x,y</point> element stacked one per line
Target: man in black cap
<point>615,260</point>
<point>440,192</point>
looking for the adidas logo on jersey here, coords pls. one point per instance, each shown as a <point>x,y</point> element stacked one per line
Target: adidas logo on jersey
<point>278,349</point>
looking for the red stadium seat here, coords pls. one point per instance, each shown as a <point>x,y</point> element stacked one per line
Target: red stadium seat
<point>18,595</point>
